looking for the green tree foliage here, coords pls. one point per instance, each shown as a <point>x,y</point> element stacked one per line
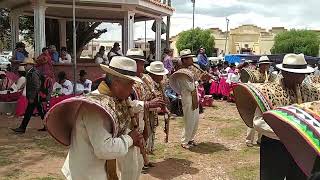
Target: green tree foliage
<point>198,38</point>
<point>297,41</point>
<point>86,31</point>
<point>4,28</point>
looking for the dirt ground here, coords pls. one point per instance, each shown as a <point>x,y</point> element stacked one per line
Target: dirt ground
<point>221,154</point>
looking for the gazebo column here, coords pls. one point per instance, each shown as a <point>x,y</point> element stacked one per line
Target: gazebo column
<point>62,32</point>
<point>158,39</point>
<point>39,26</point>
<point>14,24</point>
<point>128,31</point>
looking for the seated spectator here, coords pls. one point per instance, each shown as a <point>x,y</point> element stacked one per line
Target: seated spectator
<point>101,57</point>
<point>84,84</point>
<point>10,74</point>
<point>115,51</point>
<point>63,86</point>
<point>21,82</point>
<point>20,52</point>
<point>233,77</point>
<point>65,57</point>
<point>54,54</point>
<point>6,84</point>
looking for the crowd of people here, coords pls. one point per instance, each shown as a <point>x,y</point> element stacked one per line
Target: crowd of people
<point>110,127</point>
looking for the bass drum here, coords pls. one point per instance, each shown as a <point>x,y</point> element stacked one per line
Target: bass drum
<point>251,75</point>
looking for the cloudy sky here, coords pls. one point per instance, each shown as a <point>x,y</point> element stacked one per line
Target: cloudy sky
<point>299,14</point>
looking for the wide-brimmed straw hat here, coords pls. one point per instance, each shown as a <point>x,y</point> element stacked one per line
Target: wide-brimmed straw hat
<point>136,54</point>
<point>264,60</point>
<point>298,127</point>
<point>181,73</point>
<point>122,67</point>
<point>157,68</point>
<point>28,61</point>
<point>295,64</point>
<point>186,53</point>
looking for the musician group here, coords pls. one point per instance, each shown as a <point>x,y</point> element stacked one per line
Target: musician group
<point>111,131</point>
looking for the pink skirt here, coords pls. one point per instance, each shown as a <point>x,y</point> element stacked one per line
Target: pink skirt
<point>214,88</point>
<point>224,88</point>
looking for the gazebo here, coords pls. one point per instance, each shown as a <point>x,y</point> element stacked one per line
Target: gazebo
<point>124,12</point>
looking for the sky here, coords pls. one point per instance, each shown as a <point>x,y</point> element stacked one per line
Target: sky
<point>298,14</point>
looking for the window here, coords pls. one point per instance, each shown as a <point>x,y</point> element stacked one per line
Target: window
<point>94,48</point>
<point>86,47</point>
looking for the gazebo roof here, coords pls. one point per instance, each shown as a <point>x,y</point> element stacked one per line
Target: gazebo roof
<point>95,10</point>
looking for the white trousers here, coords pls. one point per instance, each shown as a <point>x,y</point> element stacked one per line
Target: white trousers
<point>191,120</point>
<point>130,166</point>
<point>250,135</point>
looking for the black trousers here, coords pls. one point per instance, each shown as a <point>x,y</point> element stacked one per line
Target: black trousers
<point>276,163</point>
<point>29,112</point>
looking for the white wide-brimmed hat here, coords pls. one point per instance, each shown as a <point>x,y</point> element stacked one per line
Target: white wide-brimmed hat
<point>186,53</point>
<point>264,60</point>
<point>157,68</point>
<point>122,67</point>
<point>295,64</point>
<point>21,68</point>
<point>136,54</point>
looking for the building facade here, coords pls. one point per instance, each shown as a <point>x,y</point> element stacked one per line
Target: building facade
<point>245,39</point>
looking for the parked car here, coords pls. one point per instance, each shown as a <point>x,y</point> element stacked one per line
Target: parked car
<point>4,63</point>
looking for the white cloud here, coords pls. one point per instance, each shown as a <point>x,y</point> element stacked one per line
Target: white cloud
<point>299,14</point>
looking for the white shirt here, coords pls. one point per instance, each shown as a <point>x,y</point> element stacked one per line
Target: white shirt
<point>233,78</point>
<point>21,83</point>
<point>67,59</point>
<point>66,88</point>
<point>86,86</point>
<point>91,145</point>
<point>261,126</point>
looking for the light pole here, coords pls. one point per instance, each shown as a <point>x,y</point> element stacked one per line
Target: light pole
<point>74,46</point>
<point>193,9</point>
<point>227,33</point>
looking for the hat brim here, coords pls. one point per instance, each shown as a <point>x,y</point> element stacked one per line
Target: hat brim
<point>292,124</point>
<point>174,83</point>
<point>265,62</point>
<point>137,58</point>
<point>110,71</point>
<point>307,70</point>
<point>186,56</point>
<point>164,72</point>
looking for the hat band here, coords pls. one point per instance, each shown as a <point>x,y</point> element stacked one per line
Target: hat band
<point>136,57</point>
<point>186,55</point>
<point>291,66</point>
<point>264,61</point>
<point>124,72</point>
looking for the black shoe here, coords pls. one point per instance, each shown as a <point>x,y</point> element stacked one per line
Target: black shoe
<point>18,130</point>
<point>43,129</point>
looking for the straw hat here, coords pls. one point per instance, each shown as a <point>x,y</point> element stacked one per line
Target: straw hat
<point>157,68</point>
<point>28,61</point>
<point>186,53</point>
<point>181,73</point>
<point>21,68</point>
<point>295,64</point>
<point>264,60</point>
<point>122,67</point>
<point>136,54</point>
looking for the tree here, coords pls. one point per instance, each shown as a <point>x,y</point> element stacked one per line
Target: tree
<point>297,41</point>
<point>5,28</point>
<point>198,38</point>
<point>86,31</point>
